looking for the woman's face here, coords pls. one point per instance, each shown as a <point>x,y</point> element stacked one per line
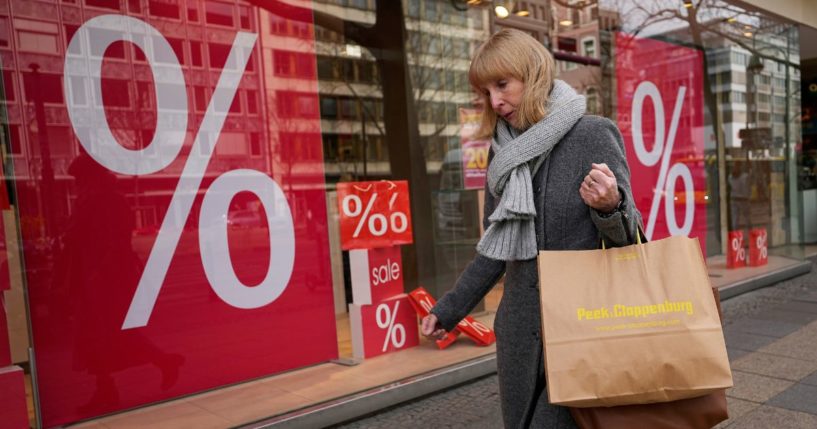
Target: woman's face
<point>505,95</point>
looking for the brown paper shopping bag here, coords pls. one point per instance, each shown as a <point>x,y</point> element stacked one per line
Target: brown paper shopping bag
<point>630,325</point>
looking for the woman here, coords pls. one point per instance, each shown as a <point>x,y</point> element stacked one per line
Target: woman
<point>557,180</point>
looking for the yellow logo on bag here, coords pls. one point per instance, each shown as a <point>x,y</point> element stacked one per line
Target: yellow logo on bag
<point>636,311</point>
<point>626,256</point>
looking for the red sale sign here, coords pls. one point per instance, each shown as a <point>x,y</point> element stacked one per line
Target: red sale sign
<point>478,332</point>
<point>374,214</point>
<point>758,247</point>
<point>377,274</point>
<point>660,102</point>
<point>423,302</point>
<point>170,246</point>
<point>387,326</point>
<point>736,253</point>
<point>474,152</point>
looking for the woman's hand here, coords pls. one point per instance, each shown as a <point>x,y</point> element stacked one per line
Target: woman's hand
<point>431,328</point>
<point>599,189</point>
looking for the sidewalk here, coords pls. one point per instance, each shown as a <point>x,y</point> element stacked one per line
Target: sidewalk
<point>772,342</point>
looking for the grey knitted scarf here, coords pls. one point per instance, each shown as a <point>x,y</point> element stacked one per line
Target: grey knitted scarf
<point>512,233</point>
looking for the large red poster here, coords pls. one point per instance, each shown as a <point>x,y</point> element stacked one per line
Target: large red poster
<point>172,203</point>
<point>660,114</point>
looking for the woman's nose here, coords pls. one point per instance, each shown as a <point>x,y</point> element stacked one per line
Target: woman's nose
<point>496,102</point>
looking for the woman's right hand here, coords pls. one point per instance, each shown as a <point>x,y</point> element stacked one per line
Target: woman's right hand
<point>431,327</point>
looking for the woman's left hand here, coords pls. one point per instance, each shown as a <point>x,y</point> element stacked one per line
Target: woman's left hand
<point>599,189</point>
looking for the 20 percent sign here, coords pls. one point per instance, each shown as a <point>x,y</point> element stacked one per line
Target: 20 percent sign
<point>83,74</point>
<point>387,321</point>
<point>662,150</point>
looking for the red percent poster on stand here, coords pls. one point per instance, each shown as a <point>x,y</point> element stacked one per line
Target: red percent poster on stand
<point>374,214</point>
<point>174,241</point>
<point>660,99</point>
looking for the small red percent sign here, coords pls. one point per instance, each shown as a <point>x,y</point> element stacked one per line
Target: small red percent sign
<point>374,214</point>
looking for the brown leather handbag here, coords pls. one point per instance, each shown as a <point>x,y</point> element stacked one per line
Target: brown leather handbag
<point>702,412</point>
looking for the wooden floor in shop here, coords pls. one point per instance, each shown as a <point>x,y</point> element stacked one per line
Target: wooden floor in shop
<point>298,389</point>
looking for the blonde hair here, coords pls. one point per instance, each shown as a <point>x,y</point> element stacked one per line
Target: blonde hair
<point>512,53</point>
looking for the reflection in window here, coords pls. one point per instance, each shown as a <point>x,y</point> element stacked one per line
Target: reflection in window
<point>4,32</point>
<point>48,87</point>
<point>219,13</point>
<point>106,4</point>
<point>164,9</point>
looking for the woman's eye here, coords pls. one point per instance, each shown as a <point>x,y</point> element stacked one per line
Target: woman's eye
<point>501,84</point>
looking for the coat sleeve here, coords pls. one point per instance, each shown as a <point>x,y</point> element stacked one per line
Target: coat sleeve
<point>620,228</point>
<point>476,280</point>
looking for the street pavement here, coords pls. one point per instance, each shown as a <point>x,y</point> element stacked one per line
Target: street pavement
<point>771,337</point>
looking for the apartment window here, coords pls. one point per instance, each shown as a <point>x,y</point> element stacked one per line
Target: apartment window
<point>252,102</point>
<point>14,139</point>
<point>42,43</point>
<point>329,108</point>
<point>200,98</point>
<point>4,32</point>
<point>115,93</point>
<point>219,14</point>
<point>218,54</point>
<point>195,54</point>
<point>135,6</point>
<point>164,9</point>
<point>589,47</point>
<point>255,144</point>
<point>144,95</point>
<point>8,86</point>
<point>567,44</point>
<point>244,17</point>
<point>192,12</point>
<point>48,87</point>
<point>105,4</point>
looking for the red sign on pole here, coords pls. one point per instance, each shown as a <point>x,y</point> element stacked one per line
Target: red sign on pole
<point>660,99</point>
<point>384,327</point>
<point>374,214</point>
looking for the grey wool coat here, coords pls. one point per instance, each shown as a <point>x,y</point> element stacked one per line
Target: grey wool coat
<point>563,222</point>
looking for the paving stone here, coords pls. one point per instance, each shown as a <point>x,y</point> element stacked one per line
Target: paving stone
<point>757,388</point>
<point>786,315</point>
<point>811,379</point>
<point>800,397</point>
<point>745,341</point>
<point>801,306</point>
<point>735,354</point>
<point>775,366</point>
<point>768,417</point>
<point>809,297</point>
<point>800,345</point>
<point>771,328</point>
<point>737,408</point>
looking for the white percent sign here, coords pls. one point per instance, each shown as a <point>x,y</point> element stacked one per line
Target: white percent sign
<point>662,149</point>
<point>760,242</point>
<point>478,327</point>
<point>388,321</point>
<point>737,247</point>
<point>377,223</point>
<point>83,74</point>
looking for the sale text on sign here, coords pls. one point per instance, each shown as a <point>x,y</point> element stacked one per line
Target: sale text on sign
<point>374,214</point>
<point>660,99</point>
